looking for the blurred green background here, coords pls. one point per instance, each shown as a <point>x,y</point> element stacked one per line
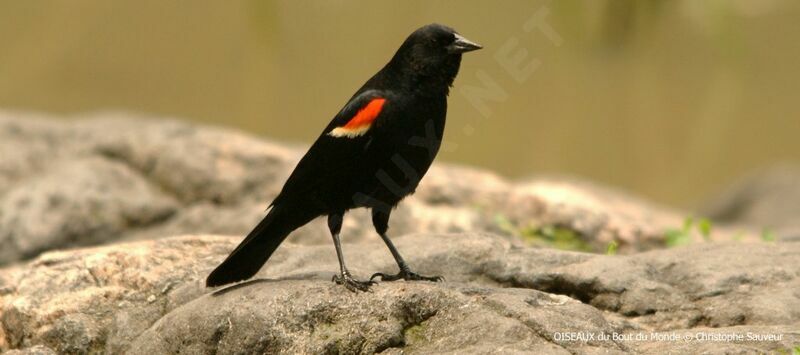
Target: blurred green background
<point>671,99</point>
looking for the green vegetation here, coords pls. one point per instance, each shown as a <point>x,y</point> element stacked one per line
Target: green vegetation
<point>768,235</point>
<point>414,334</point>
<point>612,248</point>
<point>564,238</point>
<point>682,236</point>
<point>793,351</point>
<point>505,224</point>
<point>704,226</point>
<point>556,237</point>
<point>679,236</point>
<point>547,236</point>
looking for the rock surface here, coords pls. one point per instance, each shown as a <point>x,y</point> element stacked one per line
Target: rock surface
<point>135,184</point>
<point>769,199</point>
<point>66,184</point>
<point>147,297</point>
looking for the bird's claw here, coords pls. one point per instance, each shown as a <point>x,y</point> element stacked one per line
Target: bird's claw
<point>406,275</point>
<point>352,284</point>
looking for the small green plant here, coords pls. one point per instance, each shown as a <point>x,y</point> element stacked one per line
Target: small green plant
<point>796,350</point>
<point>679,236</point>
<point>704,226</point>
<point>555,237</point>
<point>504,224</point>
<point>688,222</point>
<point>768,235</point>
<point>682,236</point>
<point>548,236</point>
<point>611,249</point>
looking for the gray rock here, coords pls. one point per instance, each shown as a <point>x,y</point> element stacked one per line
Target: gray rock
<point>264,317</point>
<point>35,350</point>
<point>147,179</point>
<point>598,213</point>
<point>115,176</point>
<point>767,199</point>
<point>91,300</point>
<point>147,297</point>
<point>77,202</point>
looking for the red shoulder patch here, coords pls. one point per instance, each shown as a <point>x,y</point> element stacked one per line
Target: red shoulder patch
<point>362,121</point>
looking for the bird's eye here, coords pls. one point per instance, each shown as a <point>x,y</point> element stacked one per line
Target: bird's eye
<point>442,40</point>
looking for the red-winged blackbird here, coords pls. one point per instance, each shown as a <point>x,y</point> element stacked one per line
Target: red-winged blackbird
<point>372,154</point>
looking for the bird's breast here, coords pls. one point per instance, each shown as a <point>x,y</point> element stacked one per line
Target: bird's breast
<point>401,152</point>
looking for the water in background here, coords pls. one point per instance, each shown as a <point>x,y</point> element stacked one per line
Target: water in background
<point>671,99</point>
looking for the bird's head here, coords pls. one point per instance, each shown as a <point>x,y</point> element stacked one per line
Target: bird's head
<point>437,40</point>
<point>433,52</point>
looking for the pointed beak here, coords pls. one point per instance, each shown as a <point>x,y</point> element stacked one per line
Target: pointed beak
<point>462,45</point>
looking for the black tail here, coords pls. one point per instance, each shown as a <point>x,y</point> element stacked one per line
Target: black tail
<point>255,250</point>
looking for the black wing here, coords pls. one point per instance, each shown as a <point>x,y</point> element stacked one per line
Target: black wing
<point>327,168</point>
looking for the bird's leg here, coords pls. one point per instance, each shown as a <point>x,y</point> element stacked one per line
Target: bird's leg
<point>380,219</point>
<point>344,277</point>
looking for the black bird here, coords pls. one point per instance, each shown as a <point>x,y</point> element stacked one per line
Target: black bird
<point>372,154</point>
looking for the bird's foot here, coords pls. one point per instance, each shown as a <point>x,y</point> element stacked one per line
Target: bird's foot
<point>407,275</point>
<point>352,284</point>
